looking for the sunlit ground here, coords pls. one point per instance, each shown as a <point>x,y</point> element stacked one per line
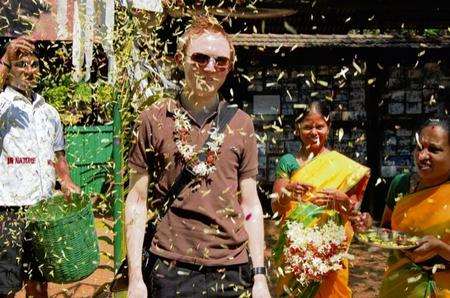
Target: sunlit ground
<point>365,276</point>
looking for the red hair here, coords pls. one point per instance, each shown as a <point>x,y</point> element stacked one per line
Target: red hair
<point>199,25</point>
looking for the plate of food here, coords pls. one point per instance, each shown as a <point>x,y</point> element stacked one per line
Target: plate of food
<point>389,239</point>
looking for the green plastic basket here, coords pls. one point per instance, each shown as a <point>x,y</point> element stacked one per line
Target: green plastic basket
<point>65,242</point>
<point>89,149</point>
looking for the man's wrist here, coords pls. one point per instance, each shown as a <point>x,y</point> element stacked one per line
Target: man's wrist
<point>259,278</point>
<point>259,272</point>
<point>65,179</point>
<point>136,274</point>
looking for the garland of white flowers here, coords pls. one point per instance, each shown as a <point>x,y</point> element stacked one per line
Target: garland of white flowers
<point>189,154</point>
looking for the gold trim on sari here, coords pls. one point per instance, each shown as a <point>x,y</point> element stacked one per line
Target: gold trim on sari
<point>426,212</point>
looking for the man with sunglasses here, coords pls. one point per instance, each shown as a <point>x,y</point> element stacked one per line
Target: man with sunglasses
<point>210,240</point>
<point>31,155</point>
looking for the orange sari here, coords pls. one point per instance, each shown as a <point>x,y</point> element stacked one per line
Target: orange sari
<point>329,170</point>
<point>426,212</point>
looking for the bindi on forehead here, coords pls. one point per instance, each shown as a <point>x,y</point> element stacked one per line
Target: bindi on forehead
<point>427,141</point>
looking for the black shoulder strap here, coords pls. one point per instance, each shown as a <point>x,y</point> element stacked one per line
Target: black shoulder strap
<point>224,116</point>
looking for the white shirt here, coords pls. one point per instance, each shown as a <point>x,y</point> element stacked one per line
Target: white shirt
<point>30,134</point>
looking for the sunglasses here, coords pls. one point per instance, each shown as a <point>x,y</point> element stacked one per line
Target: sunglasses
<point>220,63</point>
<point>24,64</point>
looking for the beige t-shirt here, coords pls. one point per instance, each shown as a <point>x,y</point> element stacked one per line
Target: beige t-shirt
<point>205,225</point>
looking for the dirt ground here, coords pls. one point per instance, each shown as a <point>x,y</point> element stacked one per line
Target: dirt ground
<point>365,274</point>
<point>367,270</point>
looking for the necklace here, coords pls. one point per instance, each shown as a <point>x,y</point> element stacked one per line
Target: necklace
<point>189,153</point>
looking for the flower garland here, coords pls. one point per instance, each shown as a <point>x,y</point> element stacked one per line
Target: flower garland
<point>313,243</point>
<point>188,153</point>
<point>312,252</point>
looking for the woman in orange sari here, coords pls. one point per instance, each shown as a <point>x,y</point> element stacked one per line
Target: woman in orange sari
<point>422,209</point>
<point>323,177</point>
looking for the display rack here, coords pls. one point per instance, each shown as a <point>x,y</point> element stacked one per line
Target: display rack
<point>412,95</point>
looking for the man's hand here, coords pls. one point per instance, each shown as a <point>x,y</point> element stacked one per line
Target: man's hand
<point>254,226</point>
<point>62,171</point>
<point>260,288</point>
<point>16,46</point>
<point>137,288</point>
<point>68,188</point>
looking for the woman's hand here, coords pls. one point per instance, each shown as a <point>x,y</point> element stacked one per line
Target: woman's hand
<point>285,191</point>
<point>298,190</point>
<point>429,247</point>
<point>361,221</point>
<point>328,195</point>
<point>335,199</point>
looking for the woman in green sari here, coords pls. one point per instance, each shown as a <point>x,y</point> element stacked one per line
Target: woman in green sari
<point>419,204</point>
<point>322,177</point>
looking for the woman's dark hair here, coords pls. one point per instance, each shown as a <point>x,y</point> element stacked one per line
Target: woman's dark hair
<point>316,106</point>
<point>441,122</point>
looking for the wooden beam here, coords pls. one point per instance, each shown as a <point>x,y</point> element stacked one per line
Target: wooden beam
<point>331,40</point>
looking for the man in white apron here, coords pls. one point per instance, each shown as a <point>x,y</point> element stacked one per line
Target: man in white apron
<point>31,156</point>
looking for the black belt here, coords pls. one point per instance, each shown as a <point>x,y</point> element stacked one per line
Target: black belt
<point>201,268</point>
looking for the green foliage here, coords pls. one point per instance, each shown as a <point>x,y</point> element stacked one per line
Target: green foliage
<point>104,93</point>
<point>433,33</point>
<point>311,290</point>
<point>57,96</point>
<point>306,213</point>
<point>83,92</point>
<point>56,208</point>
<point>79,103</point>
<point>278,250</point>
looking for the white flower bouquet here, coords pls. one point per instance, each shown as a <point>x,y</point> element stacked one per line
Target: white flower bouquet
<point>313,244</point>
